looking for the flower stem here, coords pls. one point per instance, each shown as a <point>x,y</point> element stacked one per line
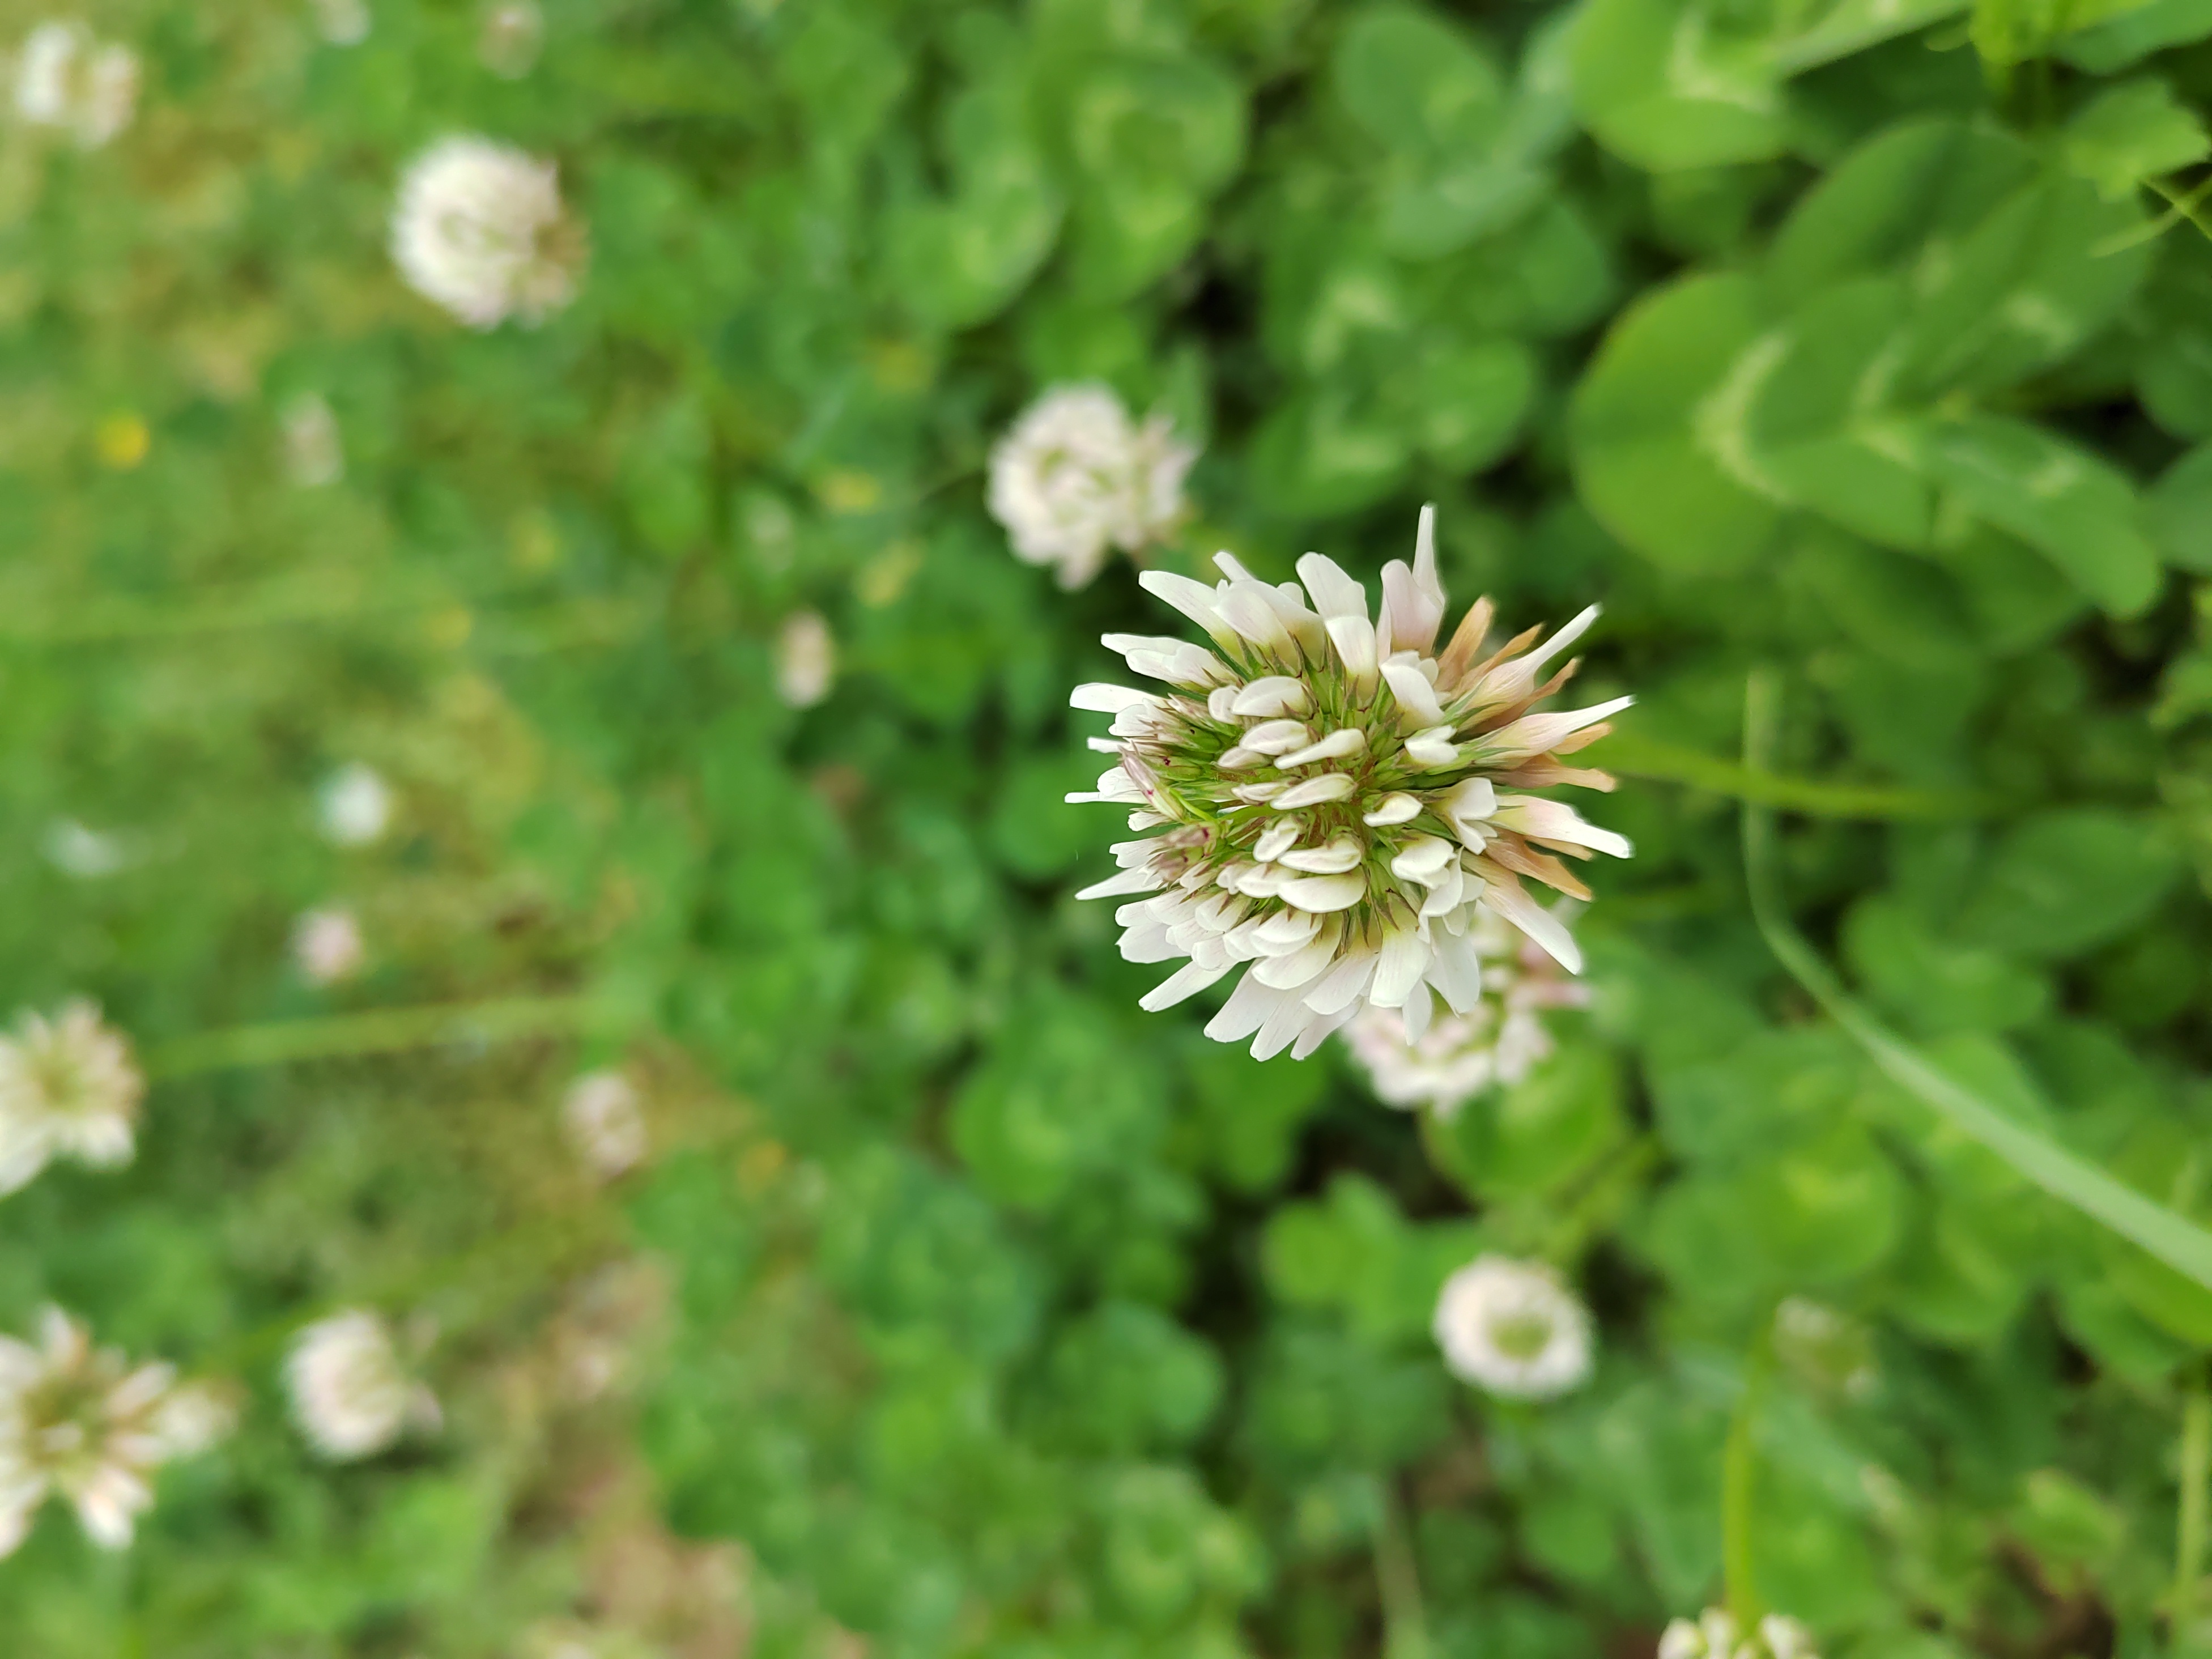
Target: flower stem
<point>2174,1239</point>
<point>1405,1621</point>
<point>1740,1486</point>
<point>1633,756</point>
<point>2190,1532</point>
<point>384,1031</point>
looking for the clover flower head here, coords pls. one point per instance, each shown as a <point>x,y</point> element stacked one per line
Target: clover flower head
<point>1338,801</point>
<point>353,1394</point>
<point>85,1425</point>
<point>1714,1634</point>
<point>67,79</point>
<point>1461,1056</point>
<point>1514,1329</point>
<point>1075,477</point>
<point>326,944</point>
<point>806,659</point>
<point>78,850</point>
<point>605,1123</point>
<point>68,1089</point>
<point>480,230</point>
<point>354,805</point>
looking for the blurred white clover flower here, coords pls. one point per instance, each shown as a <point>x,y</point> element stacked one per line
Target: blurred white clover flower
<point>68,1089</point>
<point>1461,1055</point>
<point>353,1395</point>
<point>604,1121</point>
<point>512,35</point>
<point>1714,1634</point>
<point>806,659</point>
<point>1341,804</point>
<point>76,849</point>
<point>327,946</point>
<point>354,805</point>
<point>479,230</point>
<point>1076,477</point>
<point>341,22</point>
<point>1514,1329</point>
<point>84,1424</point>
<point>67,79</point>
<point>315,453</point>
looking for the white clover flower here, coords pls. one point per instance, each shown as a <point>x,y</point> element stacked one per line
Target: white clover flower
<point>605,1123</point>
<point>1714,1634</point>
<point>806,659</point>
<point>1461,1055</point>
<point>67,79</point>
<point>513,32</point>
<point>326,945</point>
<point>1341,804</point>
<point>352,1393</point>
<point>68,1089</point>
<point>1076,477</point>
<point>77,849</point>
<point>314,454</point>
<point>1514,1328</point>
<point>354,805</point>
<point>85,1424</point>
<point>479,229</point>
<point>341,22</point>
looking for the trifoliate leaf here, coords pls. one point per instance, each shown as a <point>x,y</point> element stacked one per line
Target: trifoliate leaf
<point>2132,132</point>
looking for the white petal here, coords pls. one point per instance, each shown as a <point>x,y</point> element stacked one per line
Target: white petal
<point>1245,607</point>
<point>1341,744</point>
<point>1405,959</point>
<point>1334,593</point>
<point>1186,981</point>
<point>1325,894</point>
<point>1458,969</point>
<point>1552,820</point>
<point>1277,736</point>
<point>1354,640</point>
<point>1468,806</point>
<point>1433,747</point>
<point>1330,786</point>
<point>1417,698</point>
<point>1396,808</point>
<point>1148,943</point>
<point>1139,880</point>
<point>1534,920</point>
<point>1419,1007</point>
<point>1534,734</point>
<point>1341,988</point>
<point>1318,1029</point>
<point>1342,853</point>
<point>1286,1025</point>
<point>1423,860</point>
<point>1275,694</point>
<point>1246,1012</point>
<point>1194,599</point>
<point>1302,967</point>
<point>1102,697</point>
<point>1285,931</point>
<point>1277,839</point>
<point>1533,664</point>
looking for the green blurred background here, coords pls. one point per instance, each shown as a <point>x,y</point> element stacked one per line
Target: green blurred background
<point>958,1307</point>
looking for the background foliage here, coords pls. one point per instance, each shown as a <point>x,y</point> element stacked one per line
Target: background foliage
<point>979,1313</point>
